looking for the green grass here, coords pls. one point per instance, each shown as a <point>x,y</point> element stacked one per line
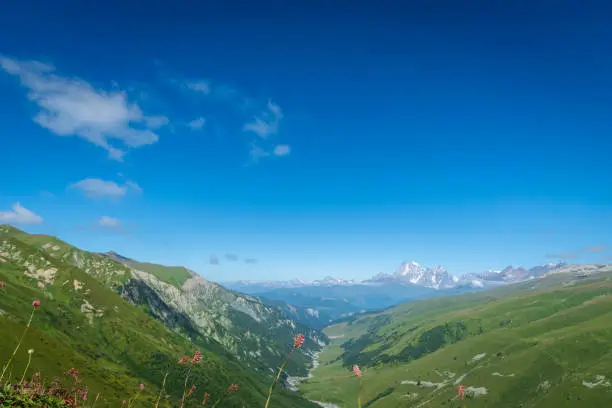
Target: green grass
<point>259,343</point>
<point>116,349</point>
<point>544,339</point>
<point>174,275</point>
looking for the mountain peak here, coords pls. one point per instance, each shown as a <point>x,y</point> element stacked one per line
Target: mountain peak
<point>117,257</point>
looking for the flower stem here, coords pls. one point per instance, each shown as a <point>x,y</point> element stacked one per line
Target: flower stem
<point>218,401</point>
<point>277,377</point>
<point>26,369</point>
<point>18,344</point>
<point>96,400</point>
<point>359,394</point>
<point>185,386</point>
<point>161,391</point>
<point>133,400</point>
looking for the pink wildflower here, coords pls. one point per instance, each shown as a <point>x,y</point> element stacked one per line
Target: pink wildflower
<point>461,391</point>
<point>183,360</point>
<point>73,372</point>
<point>1,284</point>
<point>298,341</point>
<point>205,400</point>
<point>191,390</point>
<point>123,402</point>
<point>36,303</point>
<point>141,387</point>
<point>233,387</point>
<point>356,370</point>
<point>196,357</point>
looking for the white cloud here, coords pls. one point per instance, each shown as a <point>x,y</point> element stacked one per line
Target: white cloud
<point>198,85</point>
<point>132,185</point>
<point>595,249</point>
<point>20,215</point>
<point>562,255</point>
<point>98,188</point>
<point>267,122</point>
<point>156,122</point>
<point>257,153</point>
<point>197,124</point>
<point>260,119</point>
<point>214,260</point>
<point>282,150</point>
<point>109,222</point>
<point>73,107</point>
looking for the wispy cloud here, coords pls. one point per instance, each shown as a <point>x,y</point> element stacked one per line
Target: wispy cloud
<point>207,88</point>
<point>261,119</point>
<point>562,255</point>
<point>156,122</point>
<point>198,85</point>
<point>95,188</point>
<point>197,124</point>
<point>595,249</point>
<point>109,222</point>
<point>231,257</point>
<point>282,150</point>
<point>264,126</point>
<point>250,260</point>
<point>20,215</point>
<point>214,260</point>
<point>267,122</point>
<point>133,186</point>
<point>73,107</point>
<point>257,152</point>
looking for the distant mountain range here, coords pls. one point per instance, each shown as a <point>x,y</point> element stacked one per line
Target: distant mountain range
<point>439,278</point>
<point>320,302</point>
<point>412,273</point>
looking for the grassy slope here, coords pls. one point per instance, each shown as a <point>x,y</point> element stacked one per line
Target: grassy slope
<point>119,350</point>
<point>107,271</point>
<point>174,275</point>
<point>541,339</point>
<point>105,268</point>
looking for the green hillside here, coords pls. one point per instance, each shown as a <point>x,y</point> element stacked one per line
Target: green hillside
<point>82,323</point>
<point>251,331</point>
<point>542,343</point>
<point>174,275</point>
<point>105,270</point>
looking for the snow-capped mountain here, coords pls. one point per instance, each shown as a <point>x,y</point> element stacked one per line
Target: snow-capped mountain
<point>509,274</point>
<point>293,283</point>
<point>331,281</point>
<point>414,274</point>
<point>438,277</point>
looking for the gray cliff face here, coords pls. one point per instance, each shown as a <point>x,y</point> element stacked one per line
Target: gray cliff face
<point>257,334</point>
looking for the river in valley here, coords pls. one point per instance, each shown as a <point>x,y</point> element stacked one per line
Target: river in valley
<point>294,382</point>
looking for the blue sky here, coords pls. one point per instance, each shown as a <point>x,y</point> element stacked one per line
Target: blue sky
<point>311,140</point>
